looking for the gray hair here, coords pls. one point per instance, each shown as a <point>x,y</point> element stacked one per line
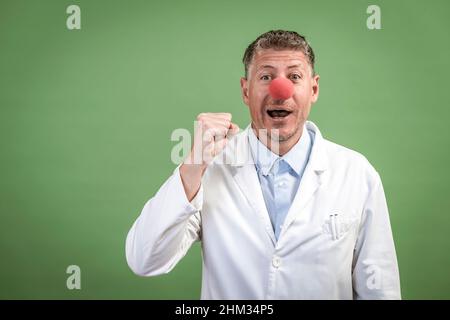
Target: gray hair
<point>278,40</point>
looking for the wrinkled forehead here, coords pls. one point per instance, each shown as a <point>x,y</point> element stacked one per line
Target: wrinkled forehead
<point>278,59</point>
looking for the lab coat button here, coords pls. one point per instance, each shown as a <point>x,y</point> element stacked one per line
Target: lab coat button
<point>276,262</point>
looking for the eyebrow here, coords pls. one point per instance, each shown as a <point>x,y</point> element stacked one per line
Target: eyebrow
<point>296,66</point>
<point>272,67</point>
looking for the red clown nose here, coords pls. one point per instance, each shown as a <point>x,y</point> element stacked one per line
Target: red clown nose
<point>281,89</point>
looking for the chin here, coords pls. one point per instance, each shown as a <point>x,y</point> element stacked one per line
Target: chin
<point>283,135</point>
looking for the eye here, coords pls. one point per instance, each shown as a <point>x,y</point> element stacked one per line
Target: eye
<point>295,76</point>
<point>265,77</point>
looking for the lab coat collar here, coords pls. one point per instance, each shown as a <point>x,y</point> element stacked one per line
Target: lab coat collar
<point>263,157</point>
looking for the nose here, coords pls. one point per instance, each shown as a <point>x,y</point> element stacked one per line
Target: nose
<point>281,88</point>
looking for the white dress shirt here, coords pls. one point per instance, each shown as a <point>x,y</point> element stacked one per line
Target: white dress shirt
<point>280,176</point>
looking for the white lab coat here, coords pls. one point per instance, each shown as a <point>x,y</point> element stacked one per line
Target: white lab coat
<point>336,241</point>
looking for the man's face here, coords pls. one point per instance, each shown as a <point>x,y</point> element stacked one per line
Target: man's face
<point>266,66</point>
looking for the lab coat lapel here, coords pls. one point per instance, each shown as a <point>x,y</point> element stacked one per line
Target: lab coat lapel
<point>314,177</point>
<point>244,173</point>
<point>247,180</point>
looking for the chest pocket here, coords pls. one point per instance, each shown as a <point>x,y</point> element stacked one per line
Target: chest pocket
<point>338,226</point>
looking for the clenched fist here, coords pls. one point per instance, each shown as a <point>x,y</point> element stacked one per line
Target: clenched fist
<point>212,132</point>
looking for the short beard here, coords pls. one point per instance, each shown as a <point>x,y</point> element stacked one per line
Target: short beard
<point>273,136</point>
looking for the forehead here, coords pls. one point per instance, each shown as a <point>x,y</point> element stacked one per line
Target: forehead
<point>278,59</point>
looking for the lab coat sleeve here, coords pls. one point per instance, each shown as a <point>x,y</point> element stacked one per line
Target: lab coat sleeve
<point>165,230</point>
<point>375,270</point>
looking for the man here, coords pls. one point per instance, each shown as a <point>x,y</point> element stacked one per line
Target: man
<point>291,216</point>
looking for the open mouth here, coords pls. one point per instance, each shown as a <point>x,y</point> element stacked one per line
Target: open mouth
<point>278,113</point>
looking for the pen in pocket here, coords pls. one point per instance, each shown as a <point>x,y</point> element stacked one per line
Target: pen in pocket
<point>334,226</point>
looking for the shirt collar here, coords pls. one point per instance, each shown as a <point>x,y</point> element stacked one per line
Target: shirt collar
<point>297,157</point>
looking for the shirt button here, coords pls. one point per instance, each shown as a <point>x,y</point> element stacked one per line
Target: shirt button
<point>276,262</point>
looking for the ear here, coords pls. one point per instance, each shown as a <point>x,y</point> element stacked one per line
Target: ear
<point>315,88</point>
<point>244,90</point>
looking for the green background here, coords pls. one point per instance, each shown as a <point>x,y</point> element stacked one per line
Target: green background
<point>86,118</point>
